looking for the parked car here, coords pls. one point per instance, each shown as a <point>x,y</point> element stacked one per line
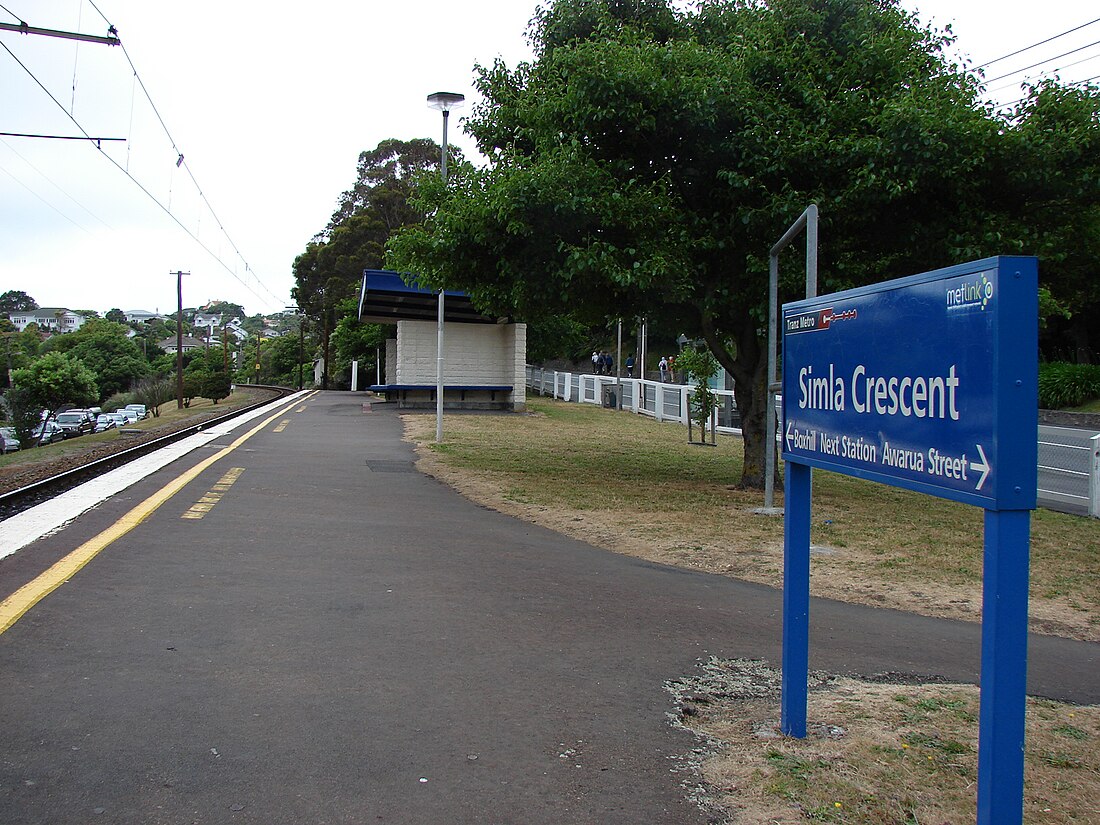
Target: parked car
<point>120,419</point>
<point>103,422</point>
<point>8,442</point>
<point>48,432</point>
<point>140,409</point>
<point>131,416</point>
<point>75,422</point>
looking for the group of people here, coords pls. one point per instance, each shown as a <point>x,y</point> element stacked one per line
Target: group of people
<point>604,364</point>
<point>667,368</point>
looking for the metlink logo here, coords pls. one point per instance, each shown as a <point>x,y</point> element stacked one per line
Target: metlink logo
<point>977,293</point>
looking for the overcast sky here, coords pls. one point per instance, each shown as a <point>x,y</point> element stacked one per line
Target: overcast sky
<point>270,104</point>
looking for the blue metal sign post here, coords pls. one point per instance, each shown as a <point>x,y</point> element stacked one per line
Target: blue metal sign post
<point>928,383</point>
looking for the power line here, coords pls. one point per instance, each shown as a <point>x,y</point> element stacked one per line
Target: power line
<point>137,183</point>
<point>54,208</point>
<point>54,183</point>
<point>1025,49</point>
<point>1084,82</point>
<point>181,161</point>
<point>1049,71</point>
<point>1048,60</point>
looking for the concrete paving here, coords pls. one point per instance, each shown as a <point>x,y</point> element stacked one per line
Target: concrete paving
<point>341,639</point>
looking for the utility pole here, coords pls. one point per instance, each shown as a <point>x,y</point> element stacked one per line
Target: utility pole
<point>259,337</point>
<point>179,337</point>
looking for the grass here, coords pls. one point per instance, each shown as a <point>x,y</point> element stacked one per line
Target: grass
<point>880,754</point>
<point>1092,406</point>
<point>648,492</point>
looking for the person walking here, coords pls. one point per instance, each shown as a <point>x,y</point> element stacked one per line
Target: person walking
<point>630,366</point>
<point>595,363</point>
<point>662,368</point>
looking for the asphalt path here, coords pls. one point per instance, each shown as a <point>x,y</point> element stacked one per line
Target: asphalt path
<point>342,639</point>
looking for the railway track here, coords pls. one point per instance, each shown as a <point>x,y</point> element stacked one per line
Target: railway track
<point>28,495</point>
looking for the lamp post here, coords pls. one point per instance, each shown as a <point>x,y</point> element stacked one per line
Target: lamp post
<point>444,102</point>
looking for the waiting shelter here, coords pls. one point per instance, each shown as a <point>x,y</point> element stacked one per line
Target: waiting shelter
<point>484,359</point>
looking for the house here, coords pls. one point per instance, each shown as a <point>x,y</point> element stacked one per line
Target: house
<point>214,322</point>
<point>142,316</point>
<point>52,319</point>
<point>189,343</point>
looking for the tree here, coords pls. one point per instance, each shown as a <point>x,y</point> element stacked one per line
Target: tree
<point>154,392</point>
<point>702,367</point>
<point>16,301</point>
<point>24,414</point>
<point>648,159</point>
<point>103,346</point>
<point>55,380</point>
<point>116,315</point>
<point>1053,172</point>
<point>330,269</point>
<point>225,309</point>
<point>216,385</point>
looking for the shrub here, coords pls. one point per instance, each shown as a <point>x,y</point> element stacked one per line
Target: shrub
<point>118,401</point>
<point>1064,385</point>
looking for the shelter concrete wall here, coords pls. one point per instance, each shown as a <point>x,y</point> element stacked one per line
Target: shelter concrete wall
<point>472,354</point>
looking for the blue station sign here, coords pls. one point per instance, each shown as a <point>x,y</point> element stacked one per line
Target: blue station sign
<point>928,382</point>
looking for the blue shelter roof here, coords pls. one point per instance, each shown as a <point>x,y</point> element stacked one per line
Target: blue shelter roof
<point>386,298</point>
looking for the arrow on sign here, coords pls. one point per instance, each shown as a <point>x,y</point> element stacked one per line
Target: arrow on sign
<point>983,468</point>
<point>788,435</point>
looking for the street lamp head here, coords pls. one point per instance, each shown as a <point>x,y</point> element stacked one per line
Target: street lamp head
<point>445,101</point>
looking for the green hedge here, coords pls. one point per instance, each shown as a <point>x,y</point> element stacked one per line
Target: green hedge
<point>1063,385</point>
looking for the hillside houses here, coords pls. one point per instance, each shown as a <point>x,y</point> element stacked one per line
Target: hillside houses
<point>48,319</point>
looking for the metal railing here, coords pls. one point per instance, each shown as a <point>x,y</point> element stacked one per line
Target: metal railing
<point>1069,460</point>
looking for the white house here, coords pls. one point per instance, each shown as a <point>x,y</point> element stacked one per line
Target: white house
<point>53,319</point>
<point>142,316</point>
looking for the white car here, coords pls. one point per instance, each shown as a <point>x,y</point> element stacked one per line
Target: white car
<point>140,409</point>
<point>130,415</point>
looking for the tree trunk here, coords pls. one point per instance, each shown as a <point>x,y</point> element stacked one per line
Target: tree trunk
<point>749,368</point>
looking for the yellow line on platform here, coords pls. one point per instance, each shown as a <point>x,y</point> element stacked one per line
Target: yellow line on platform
<point>18,603</point>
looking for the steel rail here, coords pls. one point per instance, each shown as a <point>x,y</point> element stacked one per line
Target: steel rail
<point>15,501</point>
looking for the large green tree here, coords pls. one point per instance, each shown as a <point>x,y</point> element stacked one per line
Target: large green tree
<point>56,380</point>
<point>330,269</point>
<point>103,346</point>
<point>15,300</point>
<point>647,159</point>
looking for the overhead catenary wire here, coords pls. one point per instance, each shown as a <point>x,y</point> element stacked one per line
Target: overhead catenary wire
<point>54,208</point>
<point>1035,45</point>
<point>1083,82</point>
<point>180,162</point>
<point>1041,62</point>
<point>1049,71</point>
<point>138,183</point>
<point>52,182</point>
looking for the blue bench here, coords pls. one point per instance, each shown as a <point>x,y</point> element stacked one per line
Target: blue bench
<point>402,390</point>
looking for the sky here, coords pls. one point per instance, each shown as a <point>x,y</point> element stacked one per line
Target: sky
<point>270,106</point>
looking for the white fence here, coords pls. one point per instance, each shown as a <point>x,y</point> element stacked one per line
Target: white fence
<point>1069,461</point>
<point>659,400</point>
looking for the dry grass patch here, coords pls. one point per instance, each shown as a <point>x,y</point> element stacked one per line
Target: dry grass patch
<point>876,754</point>
<point>632,485</point>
